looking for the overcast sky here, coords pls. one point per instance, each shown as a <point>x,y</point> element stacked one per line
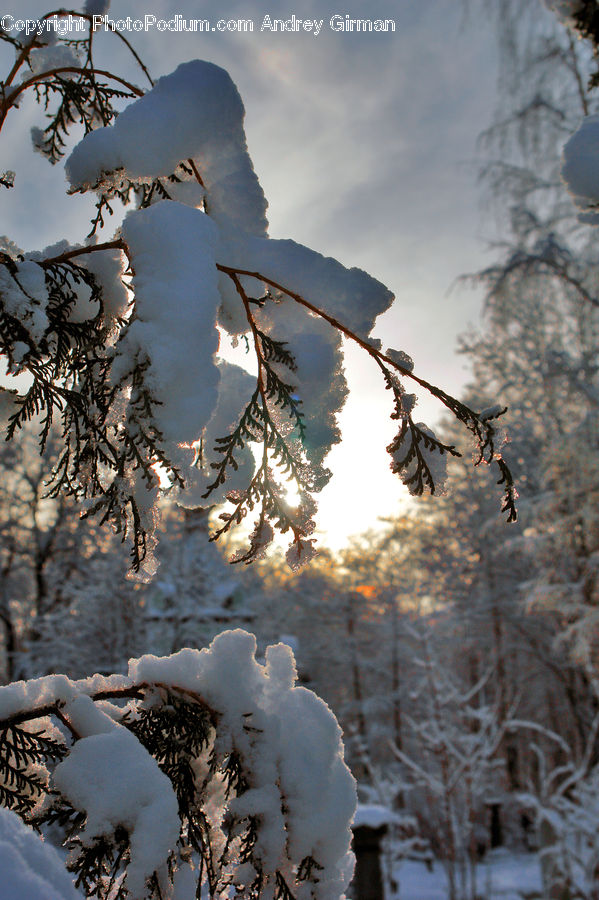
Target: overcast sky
<point>364,145</point>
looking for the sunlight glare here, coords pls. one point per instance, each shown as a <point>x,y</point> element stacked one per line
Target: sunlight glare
<point>292,495</point>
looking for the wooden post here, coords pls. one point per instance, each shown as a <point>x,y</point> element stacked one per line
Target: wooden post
<point>367,883</point>
<point>495,829</point>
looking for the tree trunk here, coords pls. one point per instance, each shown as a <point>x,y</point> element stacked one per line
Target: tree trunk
<point>556,883</point>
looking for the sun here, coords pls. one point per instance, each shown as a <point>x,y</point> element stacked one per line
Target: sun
<point>293,497</point>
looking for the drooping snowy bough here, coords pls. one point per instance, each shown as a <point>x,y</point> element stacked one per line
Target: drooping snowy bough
<point>121,337</point>
<point>203,770</point>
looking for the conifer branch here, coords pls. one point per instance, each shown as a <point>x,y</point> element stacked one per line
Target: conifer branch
<point>179,730</point>
<point>45,78</point>
<point>410,449</point>
<point>104,458</point>
<point>481,428</point>
<point>33,43</point>
<point>257,424</point>
<point>117,244</point>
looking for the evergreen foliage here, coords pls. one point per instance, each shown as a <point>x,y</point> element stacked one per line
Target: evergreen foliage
<point>23,756</point>
<point>112,444</point>
<point>220,848</point>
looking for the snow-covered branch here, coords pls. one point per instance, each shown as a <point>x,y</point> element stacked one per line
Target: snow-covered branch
<point>132,366</point>
<point>206,764</point>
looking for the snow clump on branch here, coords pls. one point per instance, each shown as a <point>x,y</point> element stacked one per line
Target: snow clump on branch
<point>173,332</point>
<point>211,740</point>
<point>193,113</point>
<point>31,868</point>
<point>293,750</point>
<point>114,780</point>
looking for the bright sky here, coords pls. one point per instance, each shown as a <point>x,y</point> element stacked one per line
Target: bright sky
<point>364,147</point>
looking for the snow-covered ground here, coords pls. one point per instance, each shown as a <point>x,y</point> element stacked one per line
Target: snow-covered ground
<point>502,876</point>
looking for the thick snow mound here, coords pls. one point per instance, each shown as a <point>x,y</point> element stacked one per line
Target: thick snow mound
<point>115,781</point>
<point>351,296</point>
<point>30,869</point>
<point>174,329</point>
<point>194,113</point>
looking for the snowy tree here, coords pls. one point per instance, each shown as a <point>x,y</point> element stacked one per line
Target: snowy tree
<point>196,593</point>
<point>539,344</point>
<point>452,769</point>
<point>136,381</point>
<point>564,800</point>
<point>474,606</point>
<point>55,610</point>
